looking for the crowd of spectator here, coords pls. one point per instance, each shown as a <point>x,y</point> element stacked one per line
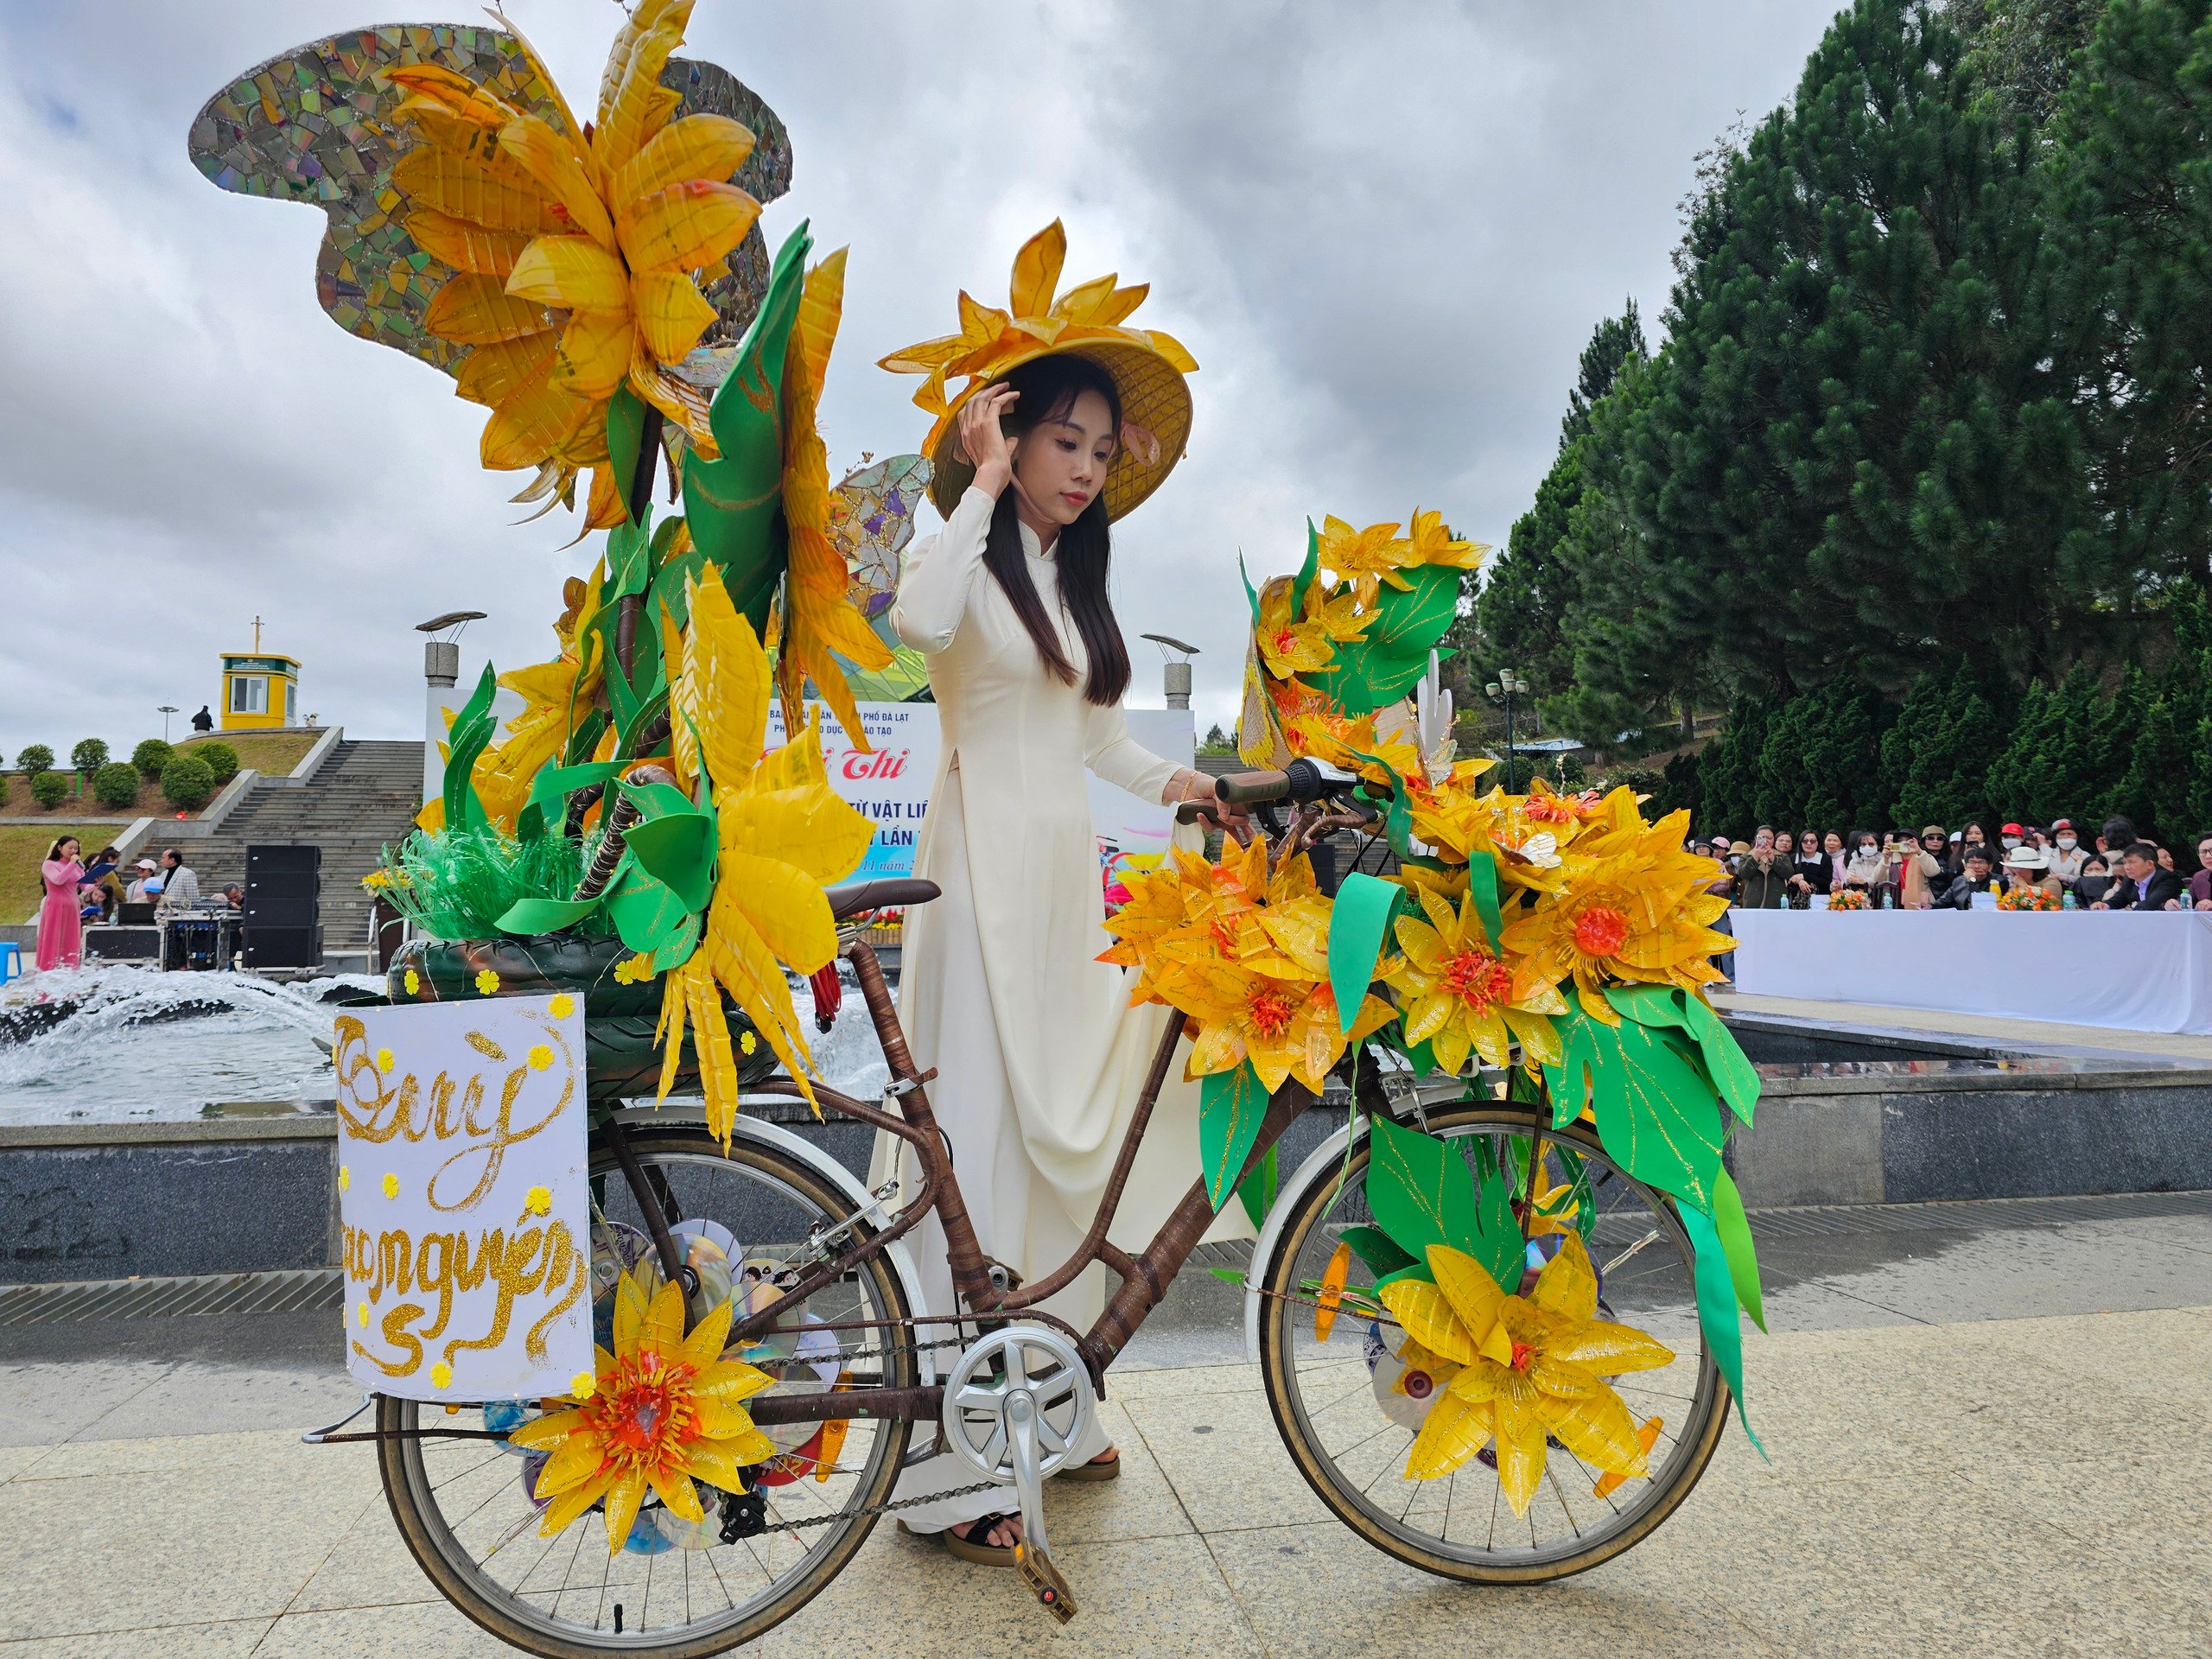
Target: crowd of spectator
<point>1951,870</point>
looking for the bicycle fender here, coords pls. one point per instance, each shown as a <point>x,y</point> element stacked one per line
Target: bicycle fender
<point>1326,1160</point>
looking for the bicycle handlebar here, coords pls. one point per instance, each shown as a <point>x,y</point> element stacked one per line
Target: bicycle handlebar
<point>1303,781</point>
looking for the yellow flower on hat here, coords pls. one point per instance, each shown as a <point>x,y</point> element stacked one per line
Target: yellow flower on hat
<point>576,248</point>
<point>1089,320</point>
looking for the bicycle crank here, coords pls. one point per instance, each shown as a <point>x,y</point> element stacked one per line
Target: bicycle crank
<point>1017,1407</point>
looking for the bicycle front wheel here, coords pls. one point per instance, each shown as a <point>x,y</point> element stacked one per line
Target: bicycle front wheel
<point>1349,1410</point>
<point>676,1591</point>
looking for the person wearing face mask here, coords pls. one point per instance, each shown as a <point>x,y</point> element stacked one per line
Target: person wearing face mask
<point>1868,868</point>
<point>2067,852</point>
<point>2012,836</point>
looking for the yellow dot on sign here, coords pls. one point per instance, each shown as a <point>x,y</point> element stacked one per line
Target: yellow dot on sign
<point>745,1040</point>
<point>391,1186</point>
<point>538,1201</point>
<point>440,1375</point>
<point>540,1058</point>
<point>487,981</point>
<point>345,1177</point>
<point>383,1059</point>
<point>413,981</point>
<point>583,1385</point>
<point>564,1006</point>
<point>361,1315</point>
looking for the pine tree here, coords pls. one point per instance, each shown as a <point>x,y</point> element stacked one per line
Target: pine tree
<point>1728,773</point>
<point>1945,764</point>
<point>1615,342</point>
<point>1853,462</point>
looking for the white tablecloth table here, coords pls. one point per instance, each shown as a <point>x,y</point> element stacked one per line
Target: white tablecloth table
<point>2151,971</point>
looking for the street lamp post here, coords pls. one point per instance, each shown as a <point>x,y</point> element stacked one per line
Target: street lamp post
<point>1501,689</point>
<point>165,710</point>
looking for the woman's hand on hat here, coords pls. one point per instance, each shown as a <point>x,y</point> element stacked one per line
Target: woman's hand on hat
<point>983,441</point>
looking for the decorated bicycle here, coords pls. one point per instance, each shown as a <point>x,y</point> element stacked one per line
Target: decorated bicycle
<point>644,1376</point>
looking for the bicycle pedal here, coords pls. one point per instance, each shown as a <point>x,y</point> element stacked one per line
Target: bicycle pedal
<point>1042,1577</point>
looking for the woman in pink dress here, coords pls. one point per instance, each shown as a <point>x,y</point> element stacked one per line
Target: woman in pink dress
<point>61,931</point>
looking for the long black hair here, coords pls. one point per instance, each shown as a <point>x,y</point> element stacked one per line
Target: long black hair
<point>1049,387</point>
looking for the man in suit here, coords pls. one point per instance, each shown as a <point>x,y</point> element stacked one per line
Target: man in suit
<point>2142,884</point>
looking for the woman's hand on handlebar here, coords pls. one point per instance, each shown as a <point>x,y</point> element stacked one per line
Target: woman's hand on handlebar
<point>1197,791</point>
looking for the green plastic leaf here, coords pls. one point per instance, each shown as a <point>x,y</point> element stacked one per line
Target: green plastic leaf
<point>647,913</point>
<point>1256,1192</point>
<point>1359,927</point>
<point>1230,1106</point>
<point>1230,1276</point>
<point>526,916</point>
<point>1734,1075</point>
<point>1375,1247</point>
<point>1482,886</point>
<point>555,785</point>
<point>1421,1193</point>
<point>1657,1114</point>
<point>735,504</point>
<point>629,559</point>
<point>657,800</point>
<point>625,436</point>
<point>1251,594</point>
<point>1304,579</point>
<point>583,741</point>
<point>677,850</point>
<point>1716,1309</point>
<point>471,731</point>
<point>676,950</point>
<point>1409,621</point>
<point>1734,1230</point>
<point>672,577</point>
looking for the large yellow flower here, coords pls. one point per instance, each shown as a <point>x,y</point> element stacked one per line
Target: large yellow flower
<point>1636,915</point>
<point>1528,1368</point>
<point>1362,555</point>
<point>1459,994</point>
<point>1430,542</point>
<point>782,834</point>
<point>577,249</point>
<point>1304,640</point>
<point>663,1414</point>
<point>1244,951</point>
<point>818,616</point>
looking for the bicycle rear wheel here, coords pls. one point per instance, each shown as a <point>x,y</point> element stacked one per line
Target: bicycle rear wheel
<point>1348,1427</point>
<point>674,1591</point>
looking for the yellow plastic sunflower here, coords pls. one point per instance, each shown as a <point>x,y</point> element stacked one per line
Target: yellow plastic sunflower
<point>818,616</point>
<point>663,1413</point>
<point>1244,951</point>
<point>782,834</point>
<point>1636,915</point>
<point>577,249</point>
<point>1304,641</point>
<point>1429,543</point>
<point>1528,1368</point>
<point>1362,556</point>
<point>1458,993</point>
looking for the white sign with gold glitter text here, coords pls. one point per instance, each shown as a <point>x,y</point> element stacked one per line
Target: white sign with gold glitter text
<point>463,1197</point>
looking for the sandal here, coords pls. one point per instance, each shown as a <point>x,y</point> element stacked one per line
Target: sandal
<point>1107,1465</point>
<point>965,1540</point>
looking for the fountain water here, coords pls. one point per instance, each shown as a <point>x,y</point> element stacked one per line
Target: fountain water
<point>115,1044</point>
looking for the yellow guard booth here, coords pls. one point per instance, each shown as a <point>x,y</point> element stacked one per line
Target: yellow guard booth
<point>260,690</point>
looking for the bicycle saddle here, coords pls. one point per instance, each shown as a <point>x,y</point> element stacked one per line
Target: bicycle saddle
<point>886,892</point>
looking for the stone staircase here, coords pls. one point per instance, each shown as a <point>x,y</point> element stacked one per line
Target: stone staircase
<point>363,798</point>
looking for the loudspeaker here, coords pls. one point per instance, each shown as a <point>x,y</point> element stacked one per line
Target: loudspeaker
<point>282,873</point>
<point>270,859</point>
<point>283,947</point>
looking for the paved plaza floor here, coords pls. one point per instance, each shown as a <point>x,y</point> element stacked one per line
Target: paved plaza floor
<point>1991,1431</point>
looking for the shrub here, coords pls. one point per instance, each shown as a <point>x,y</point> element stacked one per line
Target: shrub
<point>89,756</point>
<point>3,789</point>
<point>220,759</point>
<point>116,784</point>
<point>150,757</point>
<point>49,788</point>
<point>34,757</point>
<point>188,782</point>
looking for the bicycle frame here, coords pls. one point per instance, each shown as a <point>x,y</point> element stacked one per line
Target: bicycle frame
<point>1144,1277</point>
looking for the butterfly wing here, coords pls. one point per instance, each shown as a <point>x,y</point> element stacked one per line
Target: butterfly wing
<point>316,125</point>
<point>871,521</point>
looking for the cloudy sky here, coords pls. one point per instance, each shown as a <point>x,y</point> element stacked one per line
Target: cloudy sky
<point>1384,231</point>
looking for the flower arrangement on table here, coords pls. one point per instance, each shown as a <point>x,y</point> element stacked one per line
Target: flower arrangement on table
<point>2028,899</point>
<point>1850,898</point>
<point>1561,940</point>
